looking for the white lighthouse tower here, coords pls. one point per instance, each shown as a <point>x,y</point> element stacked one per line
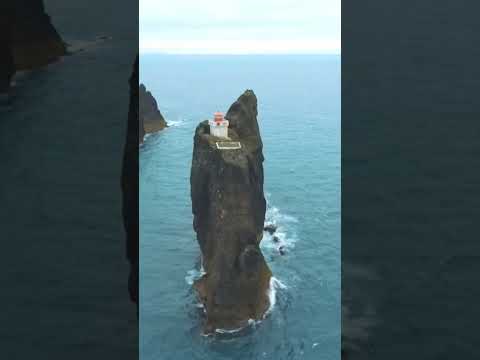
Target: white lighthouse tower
<point>219,126</point>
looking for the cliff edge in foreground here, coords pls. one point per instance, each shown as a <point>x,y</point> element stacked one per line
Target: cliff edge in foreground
<point>150,118</point>
<point>129,181</point>
<point>228,205</point>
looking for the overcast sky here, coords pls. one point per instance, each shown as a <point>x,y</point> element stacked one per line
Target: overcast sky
<point>240,26</point>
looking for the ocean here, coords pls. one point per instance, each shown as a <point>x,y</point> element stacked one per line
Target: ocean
<point>299,107</point>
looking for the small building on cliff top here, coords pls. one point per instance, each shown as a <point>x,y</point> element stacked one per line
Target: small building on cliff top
<point>219,126</point>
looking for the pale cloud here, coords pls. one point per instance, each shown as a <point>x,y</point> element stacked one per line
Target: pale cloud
<point>240,26</point>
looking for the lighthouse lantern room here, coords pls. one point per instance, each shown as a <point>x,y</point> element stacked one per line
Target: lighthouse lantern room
<point>219,126</point>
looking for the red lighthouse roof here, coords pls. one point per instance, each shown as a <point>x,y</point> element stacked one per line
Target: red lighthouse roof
<point>218,116</point>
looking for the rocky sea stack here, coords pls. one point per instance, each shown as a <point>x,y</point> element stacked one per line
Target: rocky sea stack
<point>150,118</point>
<point>229,207</point>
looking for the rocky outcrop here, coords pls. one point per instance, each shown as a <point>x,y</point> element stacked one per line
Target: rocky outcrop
<point>229,207</point>
<point>35,41</point>
<point>7,68</point>
<point>150,118</point>
<point>130,186</point>
<point>28,39</point>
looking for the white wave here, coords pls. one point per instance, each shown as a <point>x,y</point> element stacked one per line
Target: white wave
<point>175,123</point>
<point>285,234</point>
<point>275,284</point>
<point>193,275</point>
<point>232,331</point>
<point>274,214</point>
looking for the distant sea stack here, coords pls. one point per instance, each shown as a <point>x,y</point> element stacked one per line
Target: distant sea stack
<point>150,118</point>
<point>229,207</point>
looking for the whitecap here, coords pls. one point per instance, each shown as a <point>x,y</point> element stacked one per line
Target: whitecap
<point>193,275</point>
<point>232,331</point>
<point>175,123</point>
<point>275,284</point>
<point>285,233</point>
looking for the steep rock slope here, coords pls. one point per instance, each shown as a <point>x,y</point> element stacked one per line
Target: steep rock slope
<point>150,118</point>
<point>35,42</point>
<point>228,205</point>
<point>130,206</point>
<point>28,40</point>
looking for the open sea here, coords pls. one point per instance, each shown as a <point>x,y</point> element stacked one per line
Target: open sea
<point>299,118</point>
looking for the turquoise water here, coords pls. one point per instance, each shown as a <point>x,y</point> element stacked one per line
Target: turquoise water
<point>299,119</point>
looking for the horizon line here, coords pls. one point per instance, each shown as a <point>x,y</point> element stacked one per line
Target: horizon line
<point>152,52</point>
<point>241,47</point>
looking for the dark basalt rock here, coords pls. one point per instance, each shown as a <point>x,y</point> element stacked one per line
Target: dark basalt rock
<point>28,40</point>
<point>7,67</point>
<point>35,41</point>
<point>130,186</point>
<point>276,239</point>
<point>150,118</point>
<point>270,228</point>
<point>229,207</point>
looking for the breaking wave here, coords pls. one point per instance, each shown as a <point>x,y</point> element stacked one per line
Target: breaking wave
<point>285,235</point>
<point>275,285</point>
<point>175,123</point>
<point>193,275</point>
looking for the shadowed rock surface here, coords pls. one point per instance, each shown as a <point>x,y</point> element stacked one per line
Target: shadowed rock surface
<point>61,203</point>
<point>150,118</point>
<point>35,41</point>
<point>228,205</point>
<point>28,39</point>
<point>130,186</point>
<point>7,68</point>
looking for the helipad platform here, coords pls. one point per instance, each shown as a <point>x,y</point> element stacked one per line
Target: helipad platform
<point>228,145</point>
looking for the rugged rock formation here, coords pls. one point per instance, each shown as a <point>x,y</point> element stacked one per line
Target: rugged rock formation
<point>35,41</point>
<point>130,186</point>
<point>270,228</point>
<point>7,68</point>
<point>28,40</point>
<point>229,211</point>
<point>150,118</point>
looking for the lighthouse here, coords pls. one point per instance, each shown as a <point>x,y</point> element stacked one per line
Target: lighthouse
<point>218,126</point>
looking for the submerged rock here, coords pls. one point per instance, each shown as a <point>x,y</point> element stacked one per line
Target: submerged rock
<point>270,228</point>
<point>150,118</point>
<point>229,207</point>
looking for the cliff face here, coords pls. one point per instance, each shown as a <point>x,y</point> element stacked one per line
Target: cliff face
<point>228,205</point>
<point>35,41</point>
<point>28,40</point>
<point>7,68</point>
<point>150,118</point>
<point>130,186</point>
